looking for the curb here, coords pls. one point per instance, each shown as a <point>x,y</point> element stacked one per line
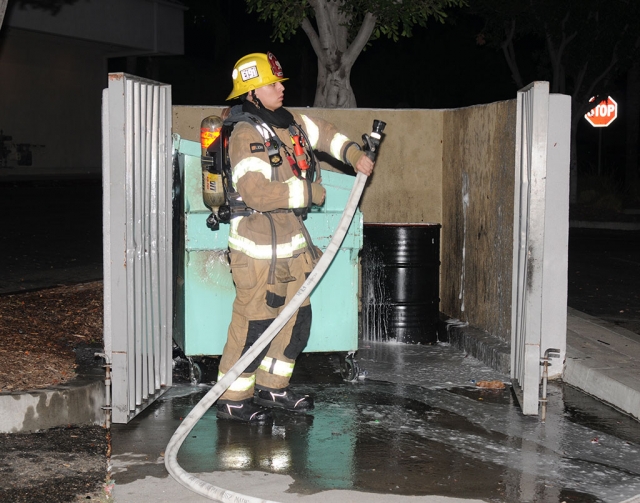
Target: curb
<point>603,361</point>
<point>77,402</point>
<point>483,346</point>
<point>616,226</point>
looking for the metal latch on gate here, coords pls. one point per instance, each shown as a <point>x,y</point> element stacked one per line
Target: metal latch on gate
<point>107,386</point>
<point>544,361</point>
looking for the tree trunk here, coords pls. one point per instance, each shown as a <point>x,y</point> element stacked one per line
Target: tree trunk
<point>633,128</point>
<point>335,55</point>
<point>3,9</point>
<point>333,88</point>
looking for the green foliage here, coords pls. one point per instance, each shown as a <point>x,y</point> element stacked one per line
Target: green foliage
<point>286,15</point>
<point>397,19</point>
<point>394,18</point>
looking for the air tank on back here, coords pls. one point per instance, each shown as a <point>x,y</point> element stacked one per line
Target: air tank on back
<point>212,188</point>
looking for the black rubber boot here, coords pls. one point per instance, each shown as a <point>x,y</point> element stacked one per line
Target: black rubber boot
<point>283,399</point>
<point>245,411</point>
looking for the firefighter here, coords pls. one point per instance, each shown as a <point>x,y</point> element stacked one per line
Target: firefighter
<point>275,173</point>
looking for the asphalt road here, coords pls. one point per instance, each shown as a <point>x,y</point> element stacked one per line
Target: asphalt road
<point>604,270</point>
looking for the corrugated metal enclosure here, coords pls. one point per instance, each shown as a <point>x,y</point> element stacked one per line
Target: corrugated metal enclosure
<point>137,222</point>
<point>540,237</point>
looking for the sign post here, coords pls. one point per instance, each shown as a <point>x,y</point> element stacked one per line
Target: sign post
<point>603,114</point>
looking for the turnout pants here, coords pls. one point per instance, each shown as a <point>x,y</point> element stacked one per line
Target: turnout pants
<point>256,305</point>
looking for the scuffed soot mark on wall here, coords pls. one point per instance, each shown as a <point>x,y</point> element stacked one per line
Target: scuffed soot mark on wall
<point>465,208</point>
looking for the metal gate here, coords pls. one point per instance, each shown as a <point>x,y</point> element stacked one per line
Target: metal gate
<point>137,242</point>
<point>541,227</point>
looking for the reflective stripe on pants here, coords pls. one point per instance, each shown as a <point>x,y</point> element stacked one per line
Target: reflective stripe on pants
<point>252,315</point>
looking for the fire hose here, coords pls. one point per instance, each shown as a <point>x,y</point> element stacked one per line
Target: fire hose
<point>190,481</point>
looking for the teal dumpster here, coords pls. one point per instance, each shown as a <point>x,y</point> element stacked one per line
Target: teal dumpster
<point>204,290</point>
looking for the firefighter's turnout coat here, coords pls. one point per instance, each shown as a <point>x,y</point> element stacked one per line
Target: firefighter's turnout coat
<point>267,276</point>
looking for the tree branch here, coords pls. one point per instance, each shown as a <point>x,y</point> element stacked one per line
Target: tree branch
<point>510,55</point>
<point>604,73</point>
<point>566,40</point>
<point>325,36</point>
<point>322,18</point>
<point>558,84</point>
<point>555,60</point>
<point>313,37</point>
<point>607,70</point>
<point>579,80</point>
<point>363,36</point>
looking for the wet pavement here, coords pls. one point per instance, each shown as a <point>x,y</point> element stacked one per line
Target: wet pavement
<point>417,428</point>
<point>55,465</point>
<point>417,425</point>
<point>604,271</point>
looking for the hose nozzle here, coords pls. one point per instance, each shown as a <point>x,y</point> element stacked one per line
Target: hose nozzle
<point>378,127</point>
<point>372,142</point>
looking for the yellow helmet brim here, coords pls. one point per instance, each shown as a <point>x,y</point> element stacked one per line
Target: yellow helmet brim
<point>254,71</point>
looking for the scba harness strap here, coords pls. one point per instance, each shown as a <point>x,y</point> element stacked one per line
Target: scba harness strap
<point>273,146</point>
<point>299,166</point>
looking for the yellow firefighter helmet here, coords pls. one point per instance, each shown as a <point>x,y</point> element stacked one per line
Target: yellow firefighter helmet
<point>254,71</point>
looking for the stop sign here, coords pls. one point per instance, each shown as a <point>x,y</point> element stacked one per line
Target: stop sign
<point>604,113</point>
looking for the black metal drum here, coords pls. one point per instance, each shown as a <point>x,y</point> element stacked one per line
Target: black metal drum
<point>400,282</point>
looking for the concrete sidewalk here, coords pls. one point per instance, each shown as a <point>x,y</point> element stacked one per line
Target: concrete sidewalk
<point>604,361</point>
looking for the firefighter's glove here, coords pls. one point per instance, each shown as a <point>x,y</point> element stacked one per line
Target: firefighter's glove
<point>317,194</point>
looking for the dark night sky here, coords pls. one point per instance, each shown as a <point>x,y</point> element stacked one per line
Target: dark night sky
<point>441,66</point>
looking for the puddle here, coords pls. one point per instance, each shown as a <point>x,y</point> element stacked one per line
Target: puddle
<point>401,439</point>
<point>420,436</point>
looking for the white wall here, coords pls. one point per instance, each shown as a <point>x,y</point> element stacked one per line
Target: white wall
<point>135,26</point>
<point>50,95</point>
<point>53,69</point>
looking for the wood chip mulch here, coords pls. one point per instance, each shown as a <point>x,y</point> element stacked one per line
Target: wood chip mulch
<point>39,330</point>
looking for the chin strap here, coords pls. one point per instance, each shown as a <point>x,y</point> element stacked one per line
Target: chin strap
<point>255,99</point>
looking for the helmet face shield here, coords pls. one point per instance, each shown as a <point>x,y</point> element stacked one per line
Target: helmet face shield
<point>254,71</point>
